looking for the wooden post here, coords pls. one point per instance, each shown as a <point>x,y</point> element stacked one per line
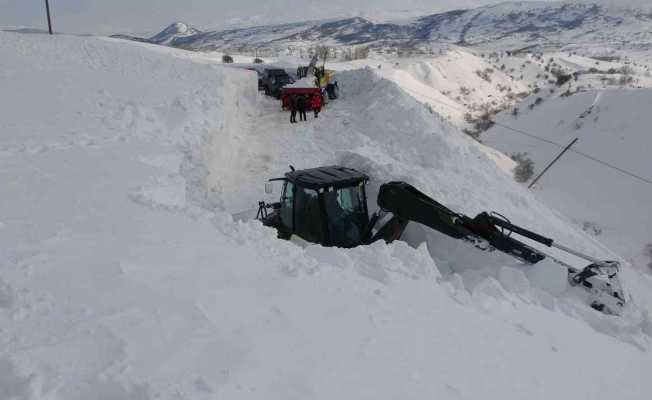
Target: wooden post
<point>47,11</point>
<point>553,161</point>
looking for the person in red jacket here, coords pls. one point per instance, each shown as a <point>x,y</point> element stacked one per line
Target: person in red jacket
<point>315,103</point>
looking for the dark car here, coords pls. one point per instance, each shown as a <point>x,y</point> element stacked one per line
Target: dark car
<point>273,80</point>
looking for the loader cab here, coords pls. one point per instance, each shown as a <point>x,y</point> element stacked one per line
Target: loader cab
<point>326,205</point>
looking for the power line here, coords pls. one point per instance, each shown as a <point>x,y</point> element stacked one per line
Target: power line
<point>590,157</point>
<point>561,146</point>
<point>606,164</point>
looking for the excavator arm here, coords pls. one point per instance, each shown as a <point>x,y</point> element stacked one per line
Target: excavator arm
<point>406,203</point>
<point>490,232</point>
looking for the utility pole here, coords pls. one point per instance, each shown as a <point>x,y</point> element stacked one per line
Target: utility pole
<point>47,11</point>
<point>553,161</point>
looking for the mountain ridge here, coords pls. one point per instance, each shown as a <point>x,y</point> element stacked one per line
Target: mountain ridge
<point>540,23</point>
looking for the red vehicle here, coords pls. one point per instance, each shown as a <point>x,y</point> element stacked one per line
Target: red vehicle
<point>286,92</point>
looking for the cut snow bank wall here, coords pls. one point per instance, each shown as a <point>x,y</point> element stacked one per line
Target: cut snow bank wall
<point>116,284</point>
<point>219,154</point>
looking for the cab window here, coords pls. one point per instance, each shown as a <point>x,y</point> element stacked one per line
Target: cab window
<point>307,211</point>
<point>347,217</point>
<point>350,199</point>
<point>287,206</point>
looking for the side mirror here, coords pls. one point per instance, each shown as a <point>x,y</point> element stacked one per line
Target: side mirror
<point>269,187</point>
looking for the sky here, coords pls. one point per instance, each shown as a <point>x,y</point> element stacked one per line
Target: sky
<point>151,16</point>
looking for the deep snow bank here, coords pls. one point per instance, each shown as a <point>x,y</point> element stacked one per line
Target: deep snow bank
<point>378,128</point>
<point>116,284</point>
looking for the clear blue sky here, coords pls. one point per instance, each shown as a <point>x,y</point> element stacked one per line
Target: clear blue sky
<point>147,16</point>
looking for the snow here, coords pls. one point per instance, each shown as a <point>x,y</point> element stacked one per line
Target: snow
<point>448,81</point>
<point>611,126</point>
<point>302,83</point>
<point>620,221</point>
<point>173,31</point>
<point>127,273</point>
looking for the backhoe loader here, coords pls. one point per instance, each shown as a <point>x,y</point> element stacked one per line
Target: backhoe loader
<point>328,206</point>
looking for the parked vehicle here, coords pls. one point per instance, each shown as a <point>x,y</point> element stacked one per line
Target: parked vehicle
<point>273,80</point>
<point>286,92</point>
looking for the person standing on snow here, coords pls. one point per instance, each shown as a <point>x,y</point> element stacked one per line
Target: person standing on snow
<point>292,102</point>
<point>315,103</point>
<point>301,106</point>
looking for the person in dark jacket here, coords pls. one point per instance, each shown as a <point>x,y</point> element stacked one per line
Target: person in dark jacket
<point>293,108</point>
<point>330,89</point>
<point>315,103</point>
<point>302,104</point>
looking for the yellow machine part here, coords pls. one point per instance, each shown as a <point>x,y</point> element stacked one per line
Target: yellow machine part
<point>326,79</point>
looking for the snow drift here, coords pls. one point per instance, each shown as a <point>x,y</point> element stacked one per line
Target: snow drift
<point>124,275</point>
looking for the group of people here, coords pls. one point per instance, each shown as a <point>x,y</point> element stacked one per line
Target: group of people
<point>301,103</point>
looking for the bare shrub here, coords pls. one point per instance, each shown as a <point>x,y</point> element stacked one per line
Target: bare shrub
<point>626,70</point>
<point>524,167</point>
<point>592,228</point>
<point>484,124</point>
<point>485,74</point>
<point>625,80</point>
<point>474,133</point>
<point>538,101</point>
<point>227,59</point>
<point>480,124</point>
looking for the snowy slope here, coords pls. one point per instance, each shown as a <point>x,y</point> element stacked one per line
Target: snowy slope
<point>124,275</point>
<point>612,126</point>
<point>449,81</point>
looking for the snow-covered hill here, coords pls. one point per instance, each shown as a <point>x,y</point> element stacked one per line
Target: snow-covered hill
<point>173,32</point>
<point>613,127</point>
<point>124,273</point>
<point>510,25</point>
<point>167,36</point>
<point>452,82</point>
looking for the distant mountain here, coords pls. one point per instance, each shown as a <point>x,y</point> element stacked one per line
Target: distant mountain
<point>537,23</point>
<point>167,36</point>
<point>174,32</point>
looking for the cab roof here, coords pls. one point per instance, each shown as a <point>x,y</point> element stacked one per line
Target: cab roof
<point>275,71</point>
<point>323,177</point>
